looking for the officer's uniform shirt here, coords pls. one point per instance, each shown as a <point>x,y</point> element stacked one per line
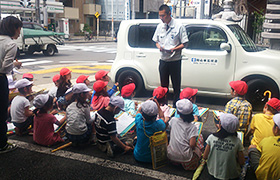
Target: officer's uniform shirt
<point>175,35</point>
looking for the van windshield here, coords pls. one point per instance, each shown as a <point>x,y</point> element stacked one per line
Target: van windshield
<point>243,38</point>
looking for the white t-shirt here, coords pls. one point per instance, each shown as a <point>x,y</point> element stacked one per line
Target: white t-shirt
<point>179,149</point>
<point>222,159</point>
<point>18,105</point>
<point>52,91</point>
<point>77,119</point>
<point>174,36</point>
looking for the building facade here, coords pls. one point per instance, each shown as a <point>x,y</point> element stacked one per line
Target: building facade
<point>26,10</point>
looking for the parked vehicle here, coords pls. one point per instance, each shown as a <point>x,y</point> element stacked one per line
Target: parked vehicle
<point>33,25</point>
<point>218,52</point>
<point>37,39</point>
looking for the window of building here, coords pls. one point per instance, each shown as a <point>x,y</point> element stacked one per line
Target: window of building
<point>205,38</point>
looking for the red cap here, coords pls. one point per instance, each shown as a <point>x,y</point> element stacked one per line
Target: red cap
<point>81,79</point>
<point>99,85</point>
<point>160,92</point>
<point>56,77</point>
<point>240,87</point>
<point>127,90</point>
<point>187,93</point>
<point>274,103</point>
<point>28,75</point>
<point>64,71</point>
<point>100,74</point>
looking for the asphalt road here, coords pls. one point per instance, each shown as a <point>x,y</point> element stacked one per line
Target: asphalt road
<point>31,161</point>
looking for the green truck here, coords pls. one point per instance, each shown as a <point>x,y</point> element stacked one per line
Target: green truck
<point>34,40</point>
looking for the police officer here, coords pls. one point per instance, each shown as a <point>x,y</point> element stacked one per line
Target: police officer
<point>170,37</point>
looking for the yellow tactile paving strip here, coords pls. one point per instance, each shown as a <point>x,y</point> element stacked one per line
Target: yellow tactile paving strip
<point>75,69</point>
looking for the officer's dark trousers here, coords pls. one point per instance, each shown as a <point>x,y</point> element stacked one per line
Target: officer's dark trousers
<point>4,102</point>
<point>172,69</point>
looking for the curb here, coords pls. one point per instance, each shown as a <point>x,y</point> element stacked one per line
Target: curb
<point>83,41</point>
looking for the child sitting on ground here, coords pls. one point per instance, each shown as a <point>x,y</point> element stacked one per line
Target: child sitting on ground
<point>83,79</point>
<point>128,93</point>
<point>21,116</point>
<point>190,94</point>
<point>79,121</point>
<point>182,145</point>
<point>224,150</point>
<point>43,121</point>
<point>261,127</point>
<point>106,130</point>
<point>103,76</point>
<point>64,82</point>
<point>52,92</point>
<point>160,93</point>
<point>146,125</point>
<point>100,98</point>
<point>28,76</point>
<point>69,93</point>
<point>269,164</point>
<point>239,106</point>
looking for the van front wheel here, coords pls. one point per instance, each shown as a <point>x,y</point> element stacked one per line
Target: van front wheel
<point>131,76</point>
<point>256,89</point>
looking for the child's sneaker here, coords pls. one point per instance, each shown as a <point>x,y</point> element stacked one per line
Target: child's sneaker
<point>9,147</point>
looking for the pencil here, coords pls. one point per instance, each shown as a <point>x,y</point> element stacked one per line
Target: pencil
<point>61,147</point>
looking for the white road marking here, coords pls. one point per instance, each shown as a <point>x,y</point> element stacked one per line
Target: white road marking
<point>98,161</point>
<point>97,49</point>
<point>37,62</point>
<point>78,61</point>
<point>26,60</point>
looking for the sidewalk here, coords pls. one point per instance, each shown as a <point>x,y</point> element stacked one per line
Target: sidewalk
<point>81,39</point>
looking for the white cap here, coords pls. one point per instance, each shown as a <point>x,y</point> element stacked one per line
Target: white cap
<point>40,100</point>
<point>150,108</point>
<point>117,101</point>
<point>80,88</point>
<point>276,119</point>
<point>229,122</point>
<point>184,106</point>
<point>23,83</point>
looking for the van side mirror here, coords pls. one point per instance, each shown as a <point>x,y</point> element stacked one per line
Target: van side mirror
<point>226,47</point>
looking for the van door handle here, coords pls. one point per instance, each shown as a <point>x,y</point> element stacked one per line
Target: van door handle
<point>141,55</point>
<point>185,58</point>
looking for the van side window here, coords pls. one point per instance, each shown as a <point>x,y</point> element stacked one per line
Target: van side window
<point>140,36</point>
<point>205,38</point>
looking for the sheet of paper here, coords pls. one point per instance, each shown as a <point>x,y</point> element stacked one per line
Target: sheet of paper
<point>218,113</point>
<point>10,126</point>
<point>198,126</point>
<point>172,111</point>
<point>58,117</point>
<point>202,111</point>
<point>240,135</point>
<point>123,121</point>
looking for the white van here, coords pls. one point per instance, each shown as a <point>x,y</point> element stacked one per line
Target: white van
<point>218,52</point>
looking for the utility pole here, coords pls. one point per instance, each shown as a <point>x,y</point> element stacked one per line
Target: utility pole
<point>133,9</point>
<point>112,9</point>
<point>37,11</point>
<point>0,9</point>
<point>45,13</point>
<point>180,9</point>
